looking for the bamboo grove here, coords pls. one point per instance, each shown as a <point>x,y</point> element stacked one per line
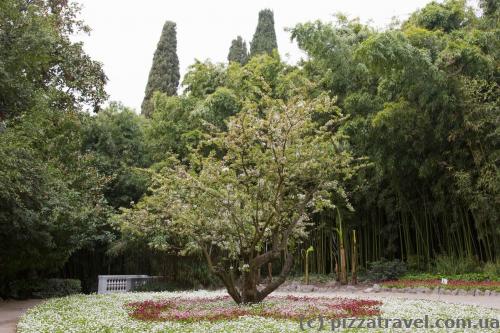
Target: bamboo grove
<point>424,108</point>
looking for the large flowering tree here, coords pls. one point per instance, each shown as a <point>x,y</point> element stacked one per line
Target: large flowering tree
<point>246,196</point>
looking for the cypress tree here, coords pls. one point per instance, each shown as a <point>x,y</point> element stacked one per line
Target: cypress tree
<point>264,39</point>
<point>491,8</point>
<point>238,51</point>
<point>164,74</point>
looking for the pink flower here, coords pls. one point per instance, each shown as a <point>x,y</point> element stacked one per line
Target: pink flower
<point>223,308</point>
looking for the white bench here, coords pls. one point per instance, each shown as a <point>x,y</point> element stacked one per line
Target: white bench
<point>120,283</point>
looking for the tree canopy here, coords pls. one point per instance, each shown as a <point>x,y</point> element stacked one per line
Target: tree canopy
<point>264,38</point>
<point>38,58</point>
<point>238,51</point>
<point>164,74</point>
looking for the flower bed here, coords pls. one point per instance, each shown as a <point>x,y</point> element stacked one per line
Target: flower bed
<point>452,284</point>
<point>224,308</point>
<point>110,314</point>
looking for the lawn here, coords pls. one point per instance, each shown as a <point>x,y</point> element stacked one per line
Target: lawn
<point>212,312</point>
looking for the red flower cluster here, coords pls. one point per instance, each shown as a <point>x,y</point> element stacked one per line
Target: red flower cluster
<point>452,284</point>
<point>224,308</point>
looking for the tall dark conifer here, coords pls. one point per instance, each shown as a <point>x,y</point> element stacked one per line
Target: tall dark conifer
<point>264,39</point>
<point>491,8</point>
<point>238,51</point>
<point>164,74</point>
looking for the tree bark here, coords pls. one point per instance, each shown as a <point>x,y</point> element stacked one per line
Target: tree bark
<point>249,292</point>
<point>343,265</point>
<point>354,261</point>
<point>230,286</point>
<point>278,281</point>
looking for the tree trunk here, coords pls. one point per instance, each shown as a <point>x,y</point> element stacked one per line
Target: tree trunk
<point>278,281</point>
<point>354,259</point>
<point>343,265</point>
<point>307,268</point>
<point>230,287</point>
<point>249,292</point>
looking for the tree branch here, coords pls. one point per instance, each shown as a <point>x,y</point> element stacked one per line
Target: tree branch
<point>272,286</point>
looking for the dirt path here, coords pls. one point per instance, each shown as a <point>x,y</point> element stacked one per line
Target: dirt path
<point>11,311</point>
<point>485,301</point>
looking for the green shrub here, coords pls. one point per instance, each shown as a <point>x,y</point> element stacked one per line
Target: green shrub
<point>385,270</point>
<point>477,277</point>
<point>313,278</point>
<point>162,285</point>
<point>415,263</point>
<point>492,270</point>
<point>473,277</point>
<point>454,265</point>
<point>196,274</point>
<point>44,288</point>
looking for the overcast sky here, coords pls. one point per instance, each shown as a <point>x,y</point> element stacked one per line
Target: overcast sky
<point>125,33</point>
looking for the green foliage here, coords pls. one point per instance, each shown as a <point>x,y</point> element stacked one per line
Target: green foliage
<point>333,47</point>
<point>51,200</point>
<point>263,75</point>
<point>420,99</point>
<point>190,273</point>
<point>491,10</point>
<point>453,265</point>
<point>218,107</point>
<point>162,285</point>
<point>492,270</point>
<point>477,277</point>
<point>164,74</point>
<point>38,57</point>
<point>172,129</point>
<point>264,38</point>
<point>238,51</point>
<point>43,288</point>
<point>314,279</point>
<point>447,16</point>
<point>203,78</point>
<point>385,270</point>
<point>117,138</point>
<point>117,133</point>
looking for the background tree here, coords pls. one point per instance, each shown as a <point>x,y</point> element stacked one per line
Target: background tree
<point>447,16</point>
<point>51,194</point>
<point>116,136</point>
<point>264,38</point>
<point>238,51</point>
<point>203,78</point>
<point>38,58</point>
<point>164,74</point>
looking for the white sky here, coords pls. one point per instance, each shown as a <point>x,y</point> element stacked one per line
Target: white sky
<point>125,33</point>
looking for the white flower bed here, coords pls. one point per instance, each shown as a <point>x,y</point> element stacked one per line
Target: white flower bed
<point>106,313</point>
